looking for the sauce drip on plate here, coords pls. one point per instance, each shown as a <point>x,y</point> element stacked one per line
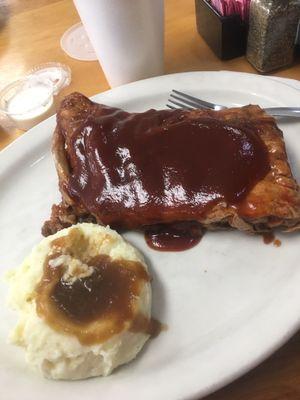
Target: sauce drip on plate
<point>174,237</point>
<point>269,237</point>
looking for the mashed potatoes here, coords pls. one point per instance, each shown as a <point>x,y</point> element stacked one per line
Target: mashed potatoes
<point>59,340</point>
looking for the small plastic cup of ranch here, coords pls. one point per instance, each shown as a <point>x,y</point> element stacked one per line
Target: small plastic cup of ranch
<point>26,103</point>
<point>30,100</point>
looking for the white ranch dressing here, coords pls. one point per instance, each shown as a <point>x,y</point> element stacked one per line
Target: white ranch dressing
<point>30,102</point>
<point>58,75</point>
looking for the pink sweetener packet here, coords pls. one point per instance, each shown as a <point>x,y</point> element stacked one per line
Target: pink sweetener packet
<point>218,5</point>
<point>232,7</point>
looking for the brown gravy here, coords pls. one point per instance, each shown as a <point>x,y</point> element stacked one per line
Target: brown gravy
<point>151,326</point>
<point>95,307</point>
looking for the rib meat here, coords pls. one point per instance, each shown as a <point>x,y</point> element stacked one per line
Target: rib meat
<point>118,168</point>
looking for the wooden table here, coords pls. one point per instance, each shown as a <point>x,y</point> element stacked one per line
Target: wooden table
<point>31,36</point>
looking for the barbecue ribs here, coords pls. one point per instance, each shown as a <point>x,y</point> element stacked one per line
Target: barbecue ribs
<point>221,168</point>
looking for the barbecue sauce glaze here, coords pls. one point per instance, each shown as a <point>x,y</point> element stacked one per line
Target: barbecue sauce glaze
<point>157,167</point>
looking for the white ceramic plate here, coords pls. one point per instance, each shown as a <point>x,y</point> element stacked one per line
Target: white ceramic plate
<point>229,302</point>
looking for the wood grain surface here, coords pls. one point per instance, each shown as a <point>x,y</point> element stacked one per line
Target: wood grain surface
<point>30,31</point>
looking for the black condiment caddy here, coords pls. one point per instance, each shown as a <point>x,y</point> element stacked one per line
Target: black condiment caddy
<point>226,36</point>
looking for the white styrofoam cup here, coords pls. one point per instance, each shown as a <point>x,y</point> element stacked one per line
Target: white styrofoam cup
<point>127,36</point>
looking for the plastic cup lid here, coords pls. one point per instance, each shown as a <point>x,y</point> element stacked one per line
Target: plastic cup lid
<point>76,44</point>
<point>56,74</point>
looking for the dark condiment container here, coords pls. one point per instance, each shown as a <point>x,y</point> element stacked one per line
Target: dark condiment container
<point>226,36</point>
<point>273,27</point>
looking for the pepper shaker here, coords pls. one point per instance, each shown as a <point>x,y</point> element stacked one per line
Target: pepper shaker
<point>272,33</point>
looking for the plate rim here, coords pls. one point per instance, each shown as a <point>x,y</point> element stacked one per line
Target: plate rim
<point>24,143</point>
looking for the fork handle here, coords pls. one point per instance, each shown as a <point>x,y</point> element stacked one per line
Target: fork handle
<point>284,111</point>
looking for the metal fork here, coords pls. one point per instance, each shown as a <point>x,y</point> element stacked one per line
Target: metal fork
<point>182,100</point>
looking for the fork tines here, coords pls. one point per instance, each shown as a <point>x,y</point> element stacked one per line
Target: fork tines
<point>182,100</point>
